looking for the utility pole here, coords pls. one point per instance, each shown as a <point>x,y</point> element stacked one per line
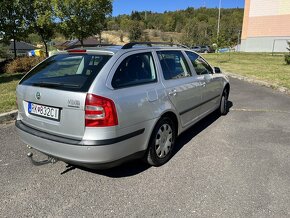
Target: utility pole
<point>219,19</point>
<point>239,45</point>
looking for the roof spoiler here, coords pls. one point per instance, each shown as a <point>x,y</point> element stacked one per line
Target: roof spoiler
<point>89,45</point>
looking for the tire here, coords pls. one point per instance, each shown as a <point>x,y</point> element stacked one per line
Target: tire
<point>224,109</point>
<point>161,142</point>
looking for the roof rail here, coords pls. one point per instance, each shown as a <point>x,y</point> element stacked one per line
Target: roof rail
<point>149,44</point>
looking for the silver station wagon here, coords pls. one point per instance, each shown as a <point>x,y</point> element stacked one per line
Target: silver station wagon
<point>98,107</point>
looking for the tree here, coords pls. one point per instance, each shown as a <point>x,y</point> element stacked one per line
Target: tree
<point>198,26</point>
<point>113,25</point>
<point>33,38</point>
<point>82,18</point>
<point>135,31</point>
<point>125,24</point>
<point>135,15</point>
<point>12,25</point>
<point>40,18</point>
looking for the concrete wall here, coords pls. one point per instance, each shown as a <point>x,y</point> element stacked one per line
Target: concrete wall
<point>266,25</point>
<point>265,44</point>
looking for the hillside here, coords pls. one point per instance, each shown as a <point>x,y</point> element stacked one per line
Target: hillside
<point>113,36</point>
<point>191,26</point>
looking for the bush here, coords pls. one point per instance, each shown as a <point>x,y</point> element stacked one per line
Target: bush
<point>3,65</point>
<point>4,51</point>
<point>22,64</point>
<point>287,59</point>
<point>287,56</point>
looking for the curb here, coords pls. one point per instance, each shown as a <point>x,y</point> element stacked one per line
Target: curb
<point>5,117</point>
<point>281,89</point>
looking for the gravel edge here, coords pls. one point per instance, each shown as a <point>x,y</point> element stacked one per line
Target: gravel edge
<point>259,82</point>
<point>6,117</point>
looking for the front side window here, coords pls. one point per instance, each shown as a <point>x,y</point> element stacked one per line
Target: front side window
<point>74,72</point>
<point>134,70</point>
<point>173,64</point>
<point>200,66</point>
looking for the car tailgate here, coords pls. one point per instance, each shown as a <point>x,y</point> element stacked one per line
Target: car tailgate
<point>71,119</point>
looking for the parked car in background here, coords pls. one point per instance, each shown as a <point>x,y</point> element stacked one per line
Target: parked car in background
<point>203,49</point>
<point>98,107</point>
<point>223,50</point>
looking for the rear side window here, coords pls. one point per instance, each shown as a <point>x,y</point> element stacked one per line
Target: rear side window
<point>173,65</point>
<point>74,72</point>
<point>134,70</point>
<point>200,66</point>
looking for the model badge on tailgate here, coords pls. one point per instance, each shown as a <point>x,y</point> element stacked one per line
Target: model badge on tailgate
<point>73,103</point>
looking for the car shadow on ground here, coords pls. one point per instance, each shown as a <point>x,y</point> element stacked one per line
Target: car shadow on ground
<point>137,166</point>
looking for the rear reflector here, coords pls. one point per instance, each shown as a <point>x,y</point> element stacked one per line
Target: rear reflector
<point>100,111</point>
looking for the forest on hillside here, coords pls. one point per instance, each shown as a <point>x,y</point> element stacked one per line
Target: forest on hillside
<point>196,26</point>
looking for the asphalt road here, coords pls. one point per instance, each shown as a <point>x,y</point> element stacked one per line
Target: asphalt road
<point>232,166</point>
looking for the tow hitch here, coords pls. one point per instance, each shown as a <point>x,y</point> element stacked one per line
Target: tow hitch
<point>41,162</point>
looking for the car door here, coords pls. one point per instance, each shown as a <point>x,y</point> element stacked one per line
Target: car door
<point>183,89</point>
<point>211,84</point>
<point>134,88</point>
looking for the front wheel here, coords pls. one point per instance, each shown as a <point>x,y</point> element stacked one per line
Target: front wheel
<point>161,142</point>
<point>223,109</point>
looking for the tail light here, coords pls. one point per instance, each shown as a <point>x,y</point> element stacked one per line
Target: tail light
<point>100,112</point>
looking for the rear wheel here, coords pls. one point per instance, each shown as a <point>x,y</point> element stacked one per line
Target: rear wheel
<point>161,142</point>
<point>223,109</point>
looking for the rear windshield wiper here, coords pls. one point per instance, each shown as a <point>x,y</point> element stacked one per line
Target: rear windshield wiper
<point>55,84</point>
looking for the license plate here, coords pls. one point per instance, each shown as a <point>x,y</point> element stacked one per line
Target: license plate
<point>44,111</point>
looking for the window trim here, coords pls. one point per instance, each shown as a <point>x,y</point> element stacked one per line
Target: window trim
<point>199,56</point>
<point>212,70</point>
<point>185,61</point>
<point>120,61</point>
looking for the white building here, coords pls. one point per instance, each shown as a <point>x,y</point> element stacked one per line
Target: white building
<point>266,26</point>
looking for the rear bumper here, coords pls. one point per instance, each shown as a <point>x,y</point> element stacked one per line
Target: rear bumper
<point>69,141</point>
<point>89,153</point>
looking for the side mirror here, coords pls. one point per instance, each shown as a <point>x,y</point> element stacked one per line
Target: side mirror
<point>217,70</point>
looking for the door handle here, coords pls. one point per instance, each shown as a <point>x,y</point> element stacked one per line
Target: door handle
<point>173,92</point>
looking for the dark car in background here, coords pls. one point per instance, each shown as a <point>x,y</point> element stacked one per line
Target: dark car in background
<point>203,49</point>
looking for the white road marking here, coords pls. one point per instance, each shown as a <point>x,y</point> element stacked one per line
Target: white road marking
<point>259,110</point>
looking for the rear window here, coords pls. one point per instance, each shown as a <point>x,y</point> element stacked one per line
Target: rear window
<point>73,72</point>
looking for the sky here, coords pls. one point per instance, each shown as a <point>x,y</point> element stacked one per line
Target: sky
<point>127,6</point>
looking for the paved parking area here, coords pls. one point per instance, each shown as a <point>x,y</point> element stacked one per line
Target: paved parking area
<point>232,166</point>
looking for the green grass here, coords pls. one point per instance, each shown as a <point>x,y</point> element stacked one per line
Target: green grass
<point>8,83</point>
<point>261,66</point>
